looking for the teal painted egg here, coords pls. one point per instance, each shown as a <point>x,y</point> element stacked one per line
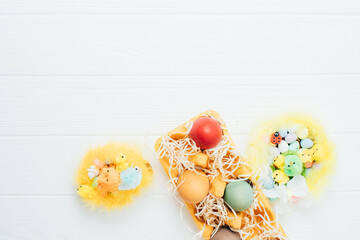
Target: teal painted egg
<point>239,195</point>
<point>306,143</point>
<point>294,147</point>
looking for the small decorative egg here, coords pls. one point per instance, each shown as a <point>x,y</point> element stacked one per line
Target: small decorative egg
<point>293,128</point>
<point>275,138</point>
<point>306,143</point>
<point>193,186</point>
<point>267,183</point>
<point>283,132</point>
<point>274,152</point>
<point>302,132</point>
<point>224,233</point>
<point>294,147</point>
<point>283,146</point>
<point>239,195</point>
<point>290,138</point>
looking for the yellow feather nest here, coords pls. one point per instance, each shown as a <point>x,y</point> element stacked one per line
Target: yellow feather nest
<point>105,165</point>
<point>258,152</point>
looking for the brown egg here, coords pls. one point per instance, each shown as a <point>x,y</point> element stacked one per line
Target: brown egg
<point>225,233</point>
<point>193,186</point>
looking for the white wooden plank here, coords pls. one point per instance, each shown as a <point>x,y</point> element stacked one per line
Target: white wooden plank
<point>178,7</point>
<point>47,165</point>
<point>152,105</point>
<point>156,217</point>
<point>181,45</point>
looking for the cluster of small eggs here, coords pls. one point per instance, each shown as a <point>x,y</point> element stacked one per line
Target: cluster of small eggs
<point>292,152</point>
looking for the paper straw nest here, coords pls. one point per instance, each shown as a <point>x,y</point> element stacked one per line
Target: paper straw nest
<point>226,164</point>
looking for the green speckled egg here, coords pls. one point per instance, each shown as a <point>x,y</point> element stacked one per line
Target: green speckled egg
<point>239,195</point>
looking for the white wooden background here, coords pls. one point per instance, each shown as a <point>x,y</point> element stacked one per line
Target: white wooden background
<point>78,73</point>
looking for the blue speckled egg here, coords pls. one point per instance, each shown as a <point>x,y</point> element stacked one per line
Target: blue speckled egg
<point>306,143</point>
<point>267,183</point>
<point>283,132</point>
<point>294,147</point>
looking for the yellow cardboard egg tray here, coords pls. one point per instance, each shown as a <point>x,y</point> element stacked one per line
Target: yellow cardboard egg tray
<point>236,222</point>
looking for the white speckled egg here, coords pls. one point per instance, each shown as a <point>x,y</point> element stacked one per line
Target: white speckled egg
<point>274,152</point>
<point>302,132</point>
<point>306,143</point>
<point>294,147</point>
<point>283,146</point>
<point>293,128</point>
<point>290,138</point>
<point>283,132</point>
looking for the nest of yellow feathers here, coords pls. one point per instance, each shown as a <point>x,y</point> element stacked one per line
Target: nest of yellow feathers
<point>296,159</point>
<point>111,175</point>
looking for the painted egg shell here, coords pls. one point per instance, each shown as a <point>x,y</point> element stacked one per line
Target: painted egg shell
<point>275,138</point>
<point>283,132</point>
<point>290,138</point>
<point>294,147</point>
<point>239,195</point>
<point>225,233</point>
<point>193,187</point>
<point>302,132</point>
<point>306,143</point>
<point>283,146</point>
<point>274,152</point>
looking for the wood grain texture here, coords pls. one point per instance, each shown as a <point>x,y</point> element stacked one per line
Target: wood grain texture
<point>178,45</point>
<point>151,105</point>
<point>77,73</point>
<point>47,165</point>
<point>154,217</point>
<point>179,7</point>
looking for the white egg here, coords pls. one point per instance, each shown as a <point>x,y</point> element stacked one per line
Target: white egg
<point>293,128</point>
<point>302,132</point>
<point>283,146</point>
<point>274,152</point>
<point>290,138</point>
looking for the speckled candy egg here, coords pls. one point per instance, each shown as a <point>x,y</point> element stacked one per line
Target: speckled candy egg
<point>283,146</point>
<point>239,195</point>
<point>267,183</point>
<point>224,233</point>
<point>302,132</point>
<point>283,132</point>
<point>275,138</point>
<point>274,152</point>
<point>290,138</point>
<point>294,147</point>
<point>306,143</point>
